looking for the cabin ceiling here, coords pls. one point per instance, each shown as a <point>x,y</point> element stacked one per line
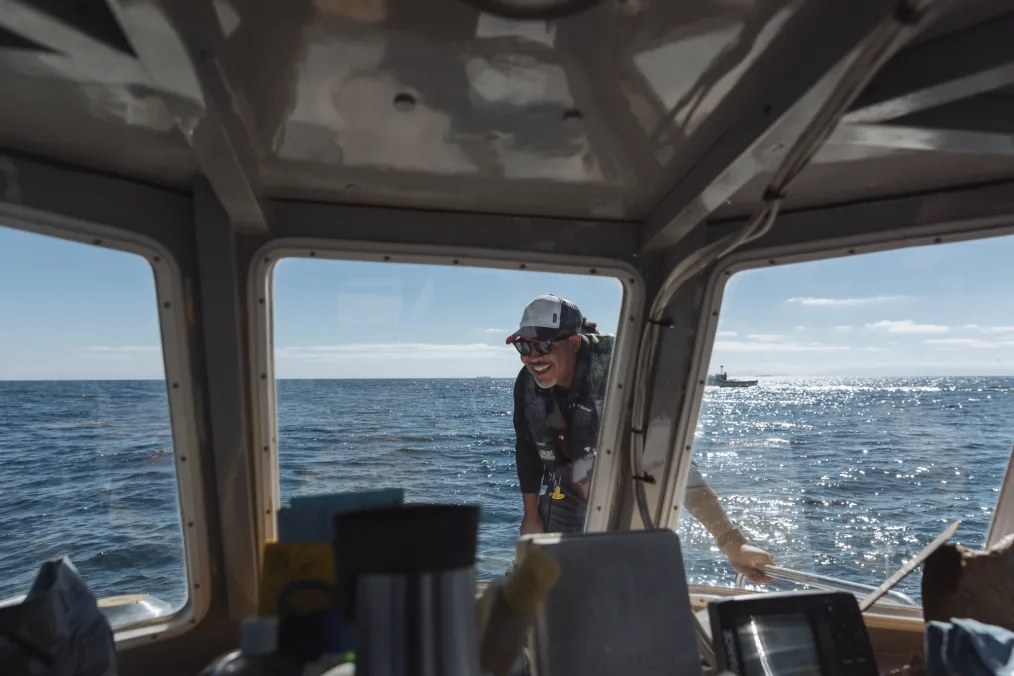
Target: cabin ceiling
<point>651,113</point>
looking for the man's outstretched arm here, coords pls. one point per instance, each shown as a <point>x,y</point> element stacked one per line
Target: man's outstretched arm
<point>705,507</point>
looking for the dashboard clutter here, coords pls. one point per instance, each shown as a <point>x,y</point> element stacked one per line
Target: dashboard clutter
<point>506,611</point>
<point>620,606</point>
<point>960,582</point>
<point>406,577</point>
<point>968,648</point>
<point>818,633</point>
<point>57,629</point>
<point>297,583</point>
<point>257,655</point>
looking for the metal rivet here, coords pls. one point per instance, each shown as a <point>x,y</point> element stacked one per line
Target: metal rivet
<point>267,260</point>
<point>688,447</point>
<point>620,386</point>
<point>630,319</point>
<point>714,313</point>
<point>609,451</point>
<point>632,280</point>
<point>154,637</point>
<point>97,242</point>
<point>269,510</point>
<point>176,386</point>
<point>852,251</point>
<point>573,115</point>
<point>598,509</point>
<point>766,109</point>
<point>350,186</point>
<point>183,458</point>
<point>266,449</point>
<point>156,259</point>
<point>197,585</point>
<point>771,262</point>
<point>727,273</point>
<point>455,261</point>
<point>190,524</point>
<point>404,102</point>
<point>261,301</point>
<point>593,271</point>
<point>166,305</point>
<point>264,376</point>
<point>700,382</point>
<point>937,240</point>
<point>313,254</point>
<point>387,258</point>
<point>523,266</point>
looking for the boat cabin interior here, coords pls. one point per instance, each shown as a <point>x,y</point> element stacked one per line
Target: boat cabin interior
<point>407,163</point>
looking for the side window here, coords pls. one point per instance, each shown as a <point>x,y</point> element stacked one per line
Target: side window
<point>86,450</point>
<point>401,375</point>
<point>855,407</point>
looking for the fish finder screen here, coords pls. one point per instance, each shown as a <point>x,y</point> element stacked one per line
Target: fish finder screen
<point>778,645</point>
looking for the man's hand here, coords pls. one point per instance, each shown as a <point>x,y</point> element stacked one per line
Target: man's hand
<point>531,523</point>
<point>747,559</point>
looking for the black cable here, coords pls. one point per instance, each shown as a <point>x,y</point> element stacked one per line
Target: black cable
<point>532,9</point>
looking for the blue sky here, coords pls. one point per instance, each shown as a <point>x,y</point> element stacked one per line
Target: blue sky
<point>70,311</point>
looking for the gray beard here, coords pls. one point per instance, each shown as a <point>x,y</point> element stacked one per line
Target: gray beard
<point>546,386</point>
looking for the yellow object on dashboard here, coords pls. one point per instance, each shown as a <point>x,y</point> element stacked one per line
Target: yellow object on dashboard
<point>286,562</point>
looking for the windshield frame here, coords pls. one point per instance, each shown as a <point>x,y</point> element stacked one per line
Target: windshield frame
<point>609,465</point>
<point>757,257</point>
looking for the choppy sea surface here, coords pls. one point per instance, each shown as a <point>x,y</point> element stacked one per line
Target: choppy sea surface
<point>842,477</point>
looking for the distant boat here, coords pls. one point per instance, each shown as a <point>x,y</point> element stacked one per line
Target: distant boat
<point>721,379</point>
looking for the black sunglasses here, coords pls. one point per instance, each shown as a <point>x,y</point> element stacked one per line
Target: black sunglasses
<point>541,346</point>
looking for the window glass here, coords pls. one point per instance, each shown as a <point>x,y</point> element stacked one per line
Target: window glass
<point>86,452</point>
<point>399,375</point>
<point>881,413</point>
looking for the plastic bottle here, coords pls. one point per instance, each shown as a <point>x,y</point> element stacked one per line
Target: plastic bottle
<point>507,608</point>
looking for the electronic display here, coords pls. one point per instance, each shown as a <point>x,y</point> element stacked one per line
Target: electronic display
<point>791,634</point>
<point>778,645</point>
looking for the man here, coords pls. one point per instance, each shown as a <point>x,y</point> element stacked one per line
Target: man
<point>558,397</point>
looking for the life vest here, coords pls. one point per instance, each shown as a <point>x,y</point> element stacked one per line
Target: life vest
<point>565,426</point>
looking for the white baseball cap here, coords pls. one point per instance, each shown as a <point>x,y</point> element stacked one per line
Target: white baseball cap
<point>548,318</point>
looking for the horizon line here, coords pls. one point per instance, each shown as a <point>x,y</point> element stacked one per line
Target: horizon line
<point>162,380</point>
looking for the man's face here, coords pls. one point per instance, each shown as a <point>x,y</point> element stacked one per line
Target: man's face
<point>555,368</point>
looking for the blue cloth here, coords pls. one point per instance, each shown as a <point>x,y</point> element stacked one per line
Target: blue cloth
<point>964,647</point>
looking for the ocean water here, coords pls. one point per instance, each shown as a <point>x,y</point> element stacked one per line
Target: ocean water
<point>843,477</point>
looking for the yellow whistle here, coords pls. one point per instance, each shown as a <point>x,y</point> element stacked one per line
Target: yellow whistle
<point>557,494</point>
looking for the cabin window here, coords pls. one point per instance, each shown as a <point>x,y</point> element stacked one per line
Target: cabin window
<point>399,375</point>
<point>86,449</point>
<point>883,410</point>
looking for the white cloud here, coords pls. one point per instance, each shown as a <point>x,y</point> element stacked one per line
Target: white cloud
<point>766,337</point>
<point>874,349</point>
<point>800,328</point>
<point>968,342</point>
<point>844,301</point>
<point>727,334</point>
<point>397,360</point>
<point>843,327</point>
<point>744,346</point>
<point>394,351</point>
<point>908,326</point>
<point>505,332</point>
<point>989,329</point>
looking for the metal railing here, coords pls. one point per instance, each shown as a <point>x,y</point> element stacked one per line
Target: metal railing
<point>828,583</point>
